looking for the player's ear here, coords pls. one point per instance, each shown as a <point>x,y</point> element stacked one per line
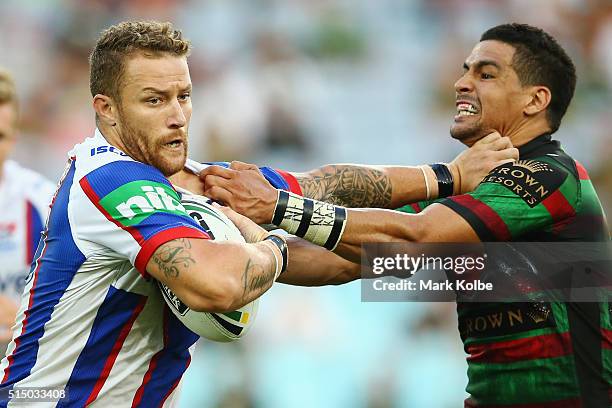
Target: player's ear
<point>106,110</point>
<point>540,97</point>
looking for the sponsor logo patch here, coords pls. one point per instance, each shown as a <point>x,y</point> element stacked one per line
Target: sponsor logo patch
<point>531,180</point>
<point>133,202</point>
<point>179,306</point>
<point>505,318</point>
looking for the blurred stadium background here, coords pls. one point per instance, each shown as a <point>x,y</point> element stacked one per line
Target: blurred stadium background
<point>296,84</point>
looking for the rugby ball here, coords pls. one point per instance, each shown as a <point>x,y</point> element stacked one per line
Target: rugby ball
<point>222,327</point>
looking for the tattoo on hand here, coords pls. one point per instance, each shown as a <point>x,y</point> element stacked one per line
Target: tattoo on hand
<point>174,257</point>
<point>349,186</point>
<point>255,278</point>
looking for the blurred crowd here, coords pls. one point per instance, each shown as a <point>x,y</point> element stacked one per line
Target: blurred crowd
<point>296,84</point>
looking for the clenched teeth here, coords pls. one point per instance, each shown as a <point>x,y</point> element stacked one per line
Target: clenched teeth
<point>464,109</point>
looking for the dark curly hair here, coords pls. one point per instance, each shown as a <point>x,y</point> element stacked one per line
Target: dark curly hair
<point>539,60</point>
<point>106,62</point>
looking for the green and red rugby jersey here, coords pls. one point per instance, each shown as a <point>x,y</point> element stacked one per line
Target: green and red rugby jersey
<point>545,354</point>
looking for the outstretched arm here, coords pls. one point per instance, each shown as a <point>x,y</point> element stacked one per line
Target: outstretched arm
<point>244,189</point>
<point>312,265</point>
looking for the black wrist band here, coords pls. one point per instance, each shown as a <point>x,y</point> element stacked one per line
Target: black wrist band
<point>282,246</point>
<point>445,179</point>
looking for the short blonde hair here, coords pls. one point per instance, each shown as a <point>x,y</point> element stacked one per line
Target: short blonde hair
<point>116,43</point>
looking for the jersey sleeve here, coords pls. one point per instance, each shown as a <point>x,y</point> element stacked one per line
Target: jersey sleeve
<point>518,198</point>
<point>280,179</point>
<point>131,208</point>
<point>415,208</point>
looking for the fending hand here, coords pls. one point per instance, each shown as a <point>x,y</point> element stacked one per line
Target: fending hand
<point>242,187</point>
<point>472,165</point>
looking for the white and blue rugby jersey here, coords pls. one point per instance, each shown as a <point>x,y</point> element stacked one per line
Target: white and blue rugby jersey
<point>91,320</point>
<point>24,202</point>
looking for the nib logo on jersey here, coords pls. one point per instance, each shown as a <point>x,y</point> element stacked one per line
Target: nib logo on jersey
<point>133,202</point>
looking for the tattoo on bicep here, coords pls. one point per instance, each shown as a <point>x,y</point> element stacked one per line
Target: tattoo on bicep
<point>174,257</point>
<point>255,278</point>
<point>349,186</point>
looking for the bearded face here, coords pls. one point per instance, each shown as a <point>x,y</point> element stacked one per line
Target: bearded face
<point>154,111</point>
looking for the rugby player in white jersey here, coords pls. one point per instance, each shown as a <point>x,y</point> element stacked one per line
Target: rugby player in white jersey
<point>92,321</point>
<point>24,203</point>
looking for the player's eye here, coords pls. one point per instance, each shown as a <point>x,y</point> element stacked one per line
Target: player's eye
<point>486,76</point>
<point>154,101</point>
<point>184,96</point>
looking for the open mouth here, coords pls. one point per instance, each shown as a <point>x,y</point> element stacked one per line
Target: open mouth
<point>466,109</point>
<point>174,144</point>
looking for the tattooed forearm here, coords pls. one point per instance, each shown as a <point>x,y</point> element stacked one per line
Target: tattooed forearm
<point>174,257</point>
<point>256,279</point>
<point>349,186</point>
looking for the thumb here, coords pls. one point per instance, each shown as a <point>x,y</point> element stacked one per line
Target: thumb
<point>229,213</point>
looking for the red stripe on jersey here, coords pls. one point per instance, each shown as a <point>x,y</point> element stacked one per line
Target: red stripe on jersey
<point>11,358</point>
<point>487,215</point>
<point>544,346</point>
<point>607,339</point>
<point>152,364</point>
<point>582,173</point>
<point>294,186</point>
<point>566,403</point>
<point>559,208</point>
<point>93,197</point>
<point>110,361</point>
<point>416,207</point>
<point>176,383</point>
<point>150,245</point>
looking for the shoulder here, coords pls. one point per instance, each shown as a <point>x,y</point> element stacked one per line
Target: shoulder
<point>532,180</point>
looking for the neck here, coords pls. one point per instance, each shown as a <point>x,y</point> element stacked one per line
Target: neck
<point>187,180</point>
<point>526,132</point>
<point>519,134</point>
<point>112,136</point>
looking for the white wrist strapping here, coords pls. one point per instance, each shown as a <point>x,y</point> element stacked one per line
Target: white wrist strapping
<point>315,221</point>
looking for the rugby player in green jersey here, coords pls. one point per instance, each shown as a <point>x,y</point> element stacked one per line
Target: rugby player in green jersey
<point>518,81</point>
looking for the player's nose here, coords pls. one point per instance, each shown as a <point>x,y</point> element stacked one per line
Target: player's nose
<point>464,84</point>
<point>177,118</point>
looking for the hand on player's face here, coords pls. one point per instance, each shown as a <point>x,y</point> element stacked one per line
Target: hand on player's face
<point>243,188</point>
<point>476,162</point>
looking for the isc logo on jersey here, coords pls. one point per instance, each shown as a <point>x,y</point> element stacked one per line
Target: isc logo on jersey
<point>222,327</point>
